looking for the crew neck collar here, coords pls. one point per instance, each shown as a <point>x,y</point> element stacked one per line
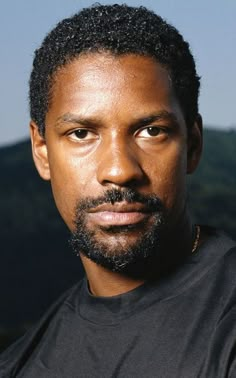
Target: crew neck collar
<point>112,310</point>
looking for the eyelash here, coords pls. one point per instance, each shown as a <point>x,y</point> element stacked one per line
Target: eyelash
<point>81,130</point>
<point>160,131</point>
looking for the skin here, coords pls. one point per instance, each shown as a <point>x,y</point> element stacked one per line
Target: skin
<point>98,137</point>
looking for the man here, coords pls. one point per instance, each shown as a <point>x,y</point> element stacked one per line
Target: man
<point>115,127</point>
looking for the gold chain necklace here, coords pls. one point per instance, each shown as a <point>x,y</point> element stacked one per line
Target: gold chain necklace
<point>197,237</point>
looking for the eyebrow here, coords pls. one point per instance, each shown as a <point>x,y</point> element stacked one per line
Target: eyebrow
<point>163,115</point>
<point>73,118</point>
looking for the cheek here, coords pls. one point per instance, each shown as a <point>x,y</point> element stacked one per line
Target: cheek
<point>169,176</point>
<point>71,180</point>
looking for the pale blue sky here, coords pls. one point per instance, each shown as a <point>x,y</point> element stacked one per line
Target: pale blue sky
<point>209,26</point>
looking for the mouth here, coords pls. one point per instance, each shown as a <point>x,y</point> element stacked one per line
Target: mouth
<point>119,214</point>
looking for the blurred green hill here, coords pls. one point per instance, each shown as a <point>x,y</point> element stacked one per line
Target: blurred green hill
<point>212,188</point>
<point>36,263</point>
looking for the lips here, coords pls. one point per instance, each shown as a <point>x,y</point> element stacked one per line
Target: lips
<point>119,214</point>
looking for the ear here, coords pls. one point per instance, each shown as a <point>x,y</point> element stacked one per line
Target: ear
<point>194,145</point>
<point>39,151</point>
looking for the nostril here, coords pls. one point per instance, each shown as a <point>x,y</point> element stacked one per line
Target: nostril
<point>119,170</point>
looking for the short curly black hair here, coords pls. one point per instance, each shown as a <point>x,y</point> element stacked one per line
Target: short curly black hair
<point>119,29</point>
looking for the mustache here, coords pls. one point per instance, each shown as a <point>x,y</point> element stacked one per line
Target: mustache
<point>151,201</point>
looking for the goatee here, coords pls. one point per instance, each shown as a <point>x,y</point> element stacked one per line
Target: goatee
<point>119,258</point>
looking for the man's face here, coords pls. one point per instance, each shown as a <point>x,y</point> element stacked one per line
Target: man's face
<point>116,151</point>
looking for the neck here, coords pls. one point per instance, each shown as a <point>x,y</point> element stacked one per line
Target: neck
<point>176,245</point>
<point>105,283</point>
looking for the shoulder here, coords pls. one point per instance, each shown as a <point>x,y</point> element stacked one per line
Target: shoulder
<point>15,357</point>
<point>217,239</point>
<point>217,248</point>
<point>218,254</point>
<point>217,257</point>
<point>220,360</point>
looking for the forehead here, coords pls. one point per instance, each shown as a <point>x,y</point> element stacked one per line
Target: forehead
<point>90,65</point>
<point>92,68</point>
<point>97,82</point>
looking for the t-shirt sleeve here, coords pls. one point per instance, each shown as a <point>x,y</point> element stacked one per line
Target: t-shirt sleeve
<point>13,359</point>
<point>220,359</point>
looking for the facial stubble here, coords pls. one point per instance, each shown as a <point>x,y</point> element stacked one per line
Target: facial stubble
<point>124,253</point>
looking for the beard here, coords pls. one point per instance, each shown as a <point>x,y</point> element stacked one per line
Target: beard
<point>123,248</point>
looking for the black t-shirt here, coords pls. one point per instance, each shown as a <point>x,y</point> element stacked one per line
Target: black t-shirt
<point>183,326</point>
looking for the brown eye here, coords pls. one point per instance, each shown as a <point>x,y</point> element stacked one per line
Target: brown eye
<point>153,131</point>
<point>148,132</point>
<point>81,133</point>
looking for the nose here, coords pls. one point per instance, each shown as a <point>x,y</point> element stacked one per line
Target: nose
<point>119,165</point>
